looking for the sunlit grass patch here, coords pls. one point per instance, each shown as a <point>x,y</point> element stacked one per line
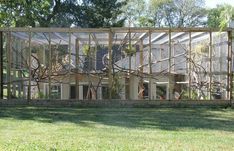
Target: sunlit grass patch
<point>38,128</point>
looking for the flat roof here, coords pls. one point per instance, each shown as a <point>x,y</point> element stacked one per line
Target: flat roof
<point>96,36</point>
<point>111,29</point>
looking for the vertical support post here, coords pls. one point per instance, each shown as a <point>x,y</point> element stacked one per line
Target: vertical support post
<point>172,58</point>
<point>50,65</point>
<point>89,69</point>
<point>210,70</point>
<point>129,65</point>
<point>21,83</point>
<point>160,65</point>
<point>141,95</point>
<point>110,65</point>
<point>29,65</point>
<point>9,65</point>
<point>150,67</point>
<point>169,69</point>
<point>69,57</point>
<point>89,55</point>
<point>229,67</point>
<point>14,60</point>
<point>190,68</point>
<point>22,58</point>
<point>1,65</point>
<point>77,69</point>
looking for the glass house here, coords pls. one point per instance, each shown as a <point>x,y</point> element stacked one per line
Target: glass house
<point>116,63</point>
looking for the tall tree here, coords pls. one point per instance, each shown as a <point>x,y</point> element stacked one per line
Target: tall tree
<point>157,13</point>
<point>61,13</point>
<point>43,13</point>
<point>177,13</point>
<point>220,16</point>
<point>135,13</point>
<point>99,13</point>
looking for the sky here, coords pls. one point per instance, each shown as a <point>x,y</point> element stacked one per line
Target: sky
<point>213,3</point>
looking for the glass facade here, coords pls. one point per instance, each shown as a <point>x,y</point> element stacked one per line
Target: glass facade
<point>115,63</point>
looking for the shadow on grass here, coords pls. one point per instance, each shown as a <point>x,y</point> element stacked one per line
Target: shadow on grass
<point>161,118</point>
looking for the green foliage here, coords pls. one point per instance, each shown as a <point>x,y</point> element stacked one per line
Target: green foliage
<point>135,11</point>
<point>42,13</point>
<point>112,13</point>
<point>61,13</point>
<point>202,48</point>
<point>161,91</point>
<point>99,13</point>
<point>227,14</point>
<point>86,50</point>
<point>220,16</point>
<point>89,53</point>
<point>185,95</point>
<point>145,21</point>
<point>130,50</point>
<point>177,13</point>
<point>214,17</point>
<point>116,87</point>
<point>41,95</point>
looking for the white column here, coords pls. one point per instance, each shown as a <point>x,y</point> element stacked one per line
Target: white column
<point>65,92</point>
<point>134,87</point>
<point>153,89</point>
<point>99,93</point>
<point>81,92</point>
<point>123,88</point>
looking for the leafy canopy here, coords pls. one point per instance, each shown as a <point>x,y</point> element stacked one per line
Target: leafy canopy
<point>220,16</point>
<point>61,13</point>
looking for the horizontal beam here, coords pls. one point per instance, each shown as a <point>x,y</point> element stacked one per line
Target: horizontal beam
<point>114,29</point>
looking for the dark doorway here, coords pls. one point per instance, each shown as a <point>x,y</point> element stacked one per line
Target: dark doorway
<point>72,92</point>
<point>145,92</point>
<point>85,91</point>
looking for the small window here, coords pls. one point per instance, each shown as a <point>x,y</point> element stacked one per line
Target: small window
<point>55,91</point>
<point>161,92</point>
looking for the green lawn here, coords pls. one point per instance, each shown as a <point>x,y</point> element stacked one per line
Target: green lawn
<point>31,128</point>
